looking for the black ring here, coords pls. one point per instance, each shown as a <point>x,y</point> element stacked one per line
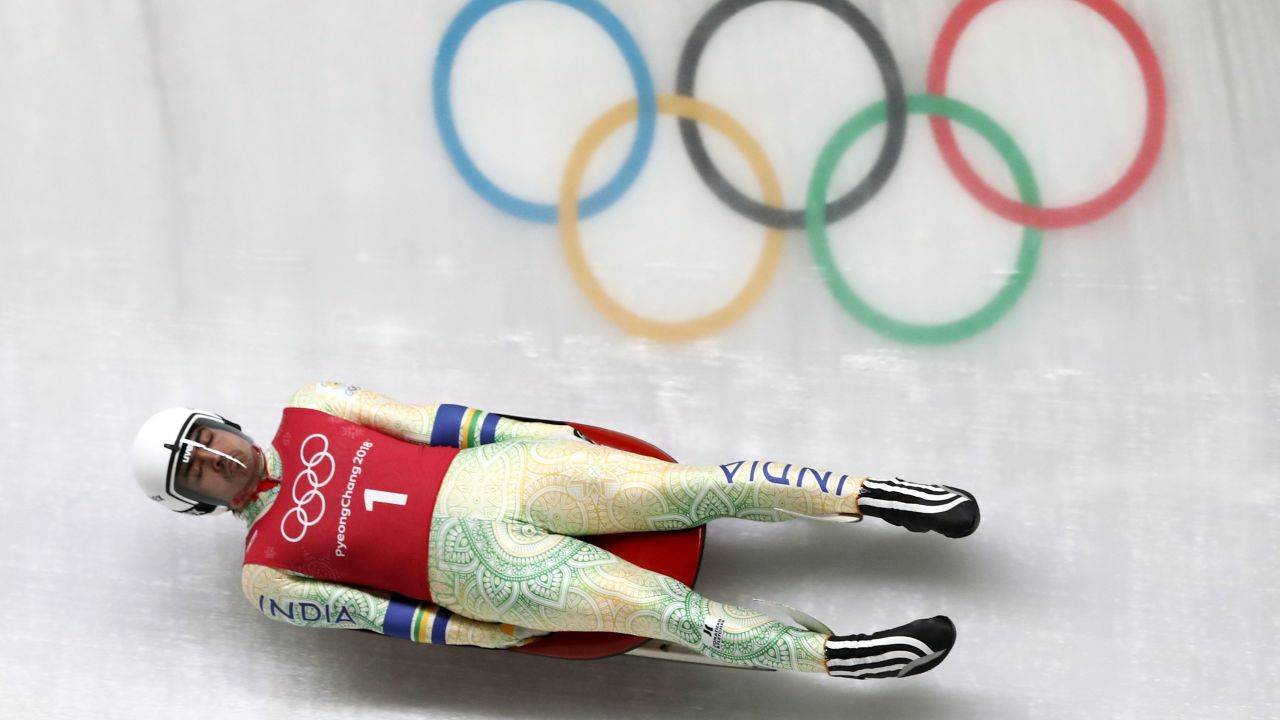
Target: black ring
<point>896,127</point>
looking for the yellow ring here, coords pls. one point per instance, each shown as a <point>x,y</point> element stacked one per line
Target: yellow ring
<point>717,320</point>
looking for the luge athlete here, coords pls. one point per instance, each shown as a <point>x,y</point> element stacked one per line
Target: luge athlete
<point>446,524</point>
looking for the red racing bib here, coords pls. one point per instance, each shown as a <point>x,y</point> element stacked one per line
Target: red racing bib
<point>354,505</point>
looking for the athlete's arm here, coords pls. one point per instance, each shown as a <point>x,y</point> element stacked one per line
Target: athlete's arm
<point>443,425</point>
<point>308,602</point>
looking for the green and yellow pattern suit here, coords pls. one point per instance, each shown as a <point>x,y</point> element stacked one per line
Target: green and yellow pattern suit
<point>504,562</point>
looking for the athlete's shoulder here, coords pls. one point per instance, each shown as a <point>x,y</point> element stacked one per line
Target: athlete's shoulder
<point>324,395</point>
<point>259,581</point>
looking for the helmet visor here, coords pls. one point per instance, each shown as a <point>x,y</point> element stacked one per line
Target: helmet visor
<point>212,462</point>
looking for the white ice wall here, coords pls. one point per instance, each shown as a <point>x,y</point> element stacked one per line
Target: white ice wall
<point>213,203</point>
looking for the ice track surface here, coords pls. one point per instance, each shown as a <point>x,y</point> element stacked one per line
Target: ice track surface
<point>214,203</point>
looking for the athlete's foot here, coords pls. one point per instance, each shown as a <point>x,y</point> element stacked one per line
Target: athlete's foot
<point>920,508</point>
<point>900,652</point>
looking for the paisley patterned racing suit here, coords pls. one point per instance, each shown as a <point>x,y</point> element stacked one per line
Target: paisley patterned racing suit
<point>491,558</point>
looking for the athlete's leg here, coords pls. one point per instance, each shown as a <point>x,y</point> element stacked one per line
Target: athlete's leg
<point>577,488</point>
<point>513,572</point>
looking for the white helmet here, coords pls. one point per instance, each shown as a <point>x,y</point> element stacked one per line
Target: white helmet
<point>163,448</point>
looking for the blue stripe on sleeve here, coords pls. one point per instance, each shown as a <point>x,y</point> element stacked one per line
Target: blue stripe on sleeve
<point>489,429</point>
<point>399,620</point>
<point>437,627</point>
<point>444,433</point>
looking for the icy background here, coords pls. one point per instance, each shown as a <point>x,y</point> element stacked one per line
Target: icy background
<point>213,203</point>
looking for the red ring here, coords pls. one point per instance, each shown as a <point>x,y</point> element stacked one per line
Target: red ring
<point>1085,212</point>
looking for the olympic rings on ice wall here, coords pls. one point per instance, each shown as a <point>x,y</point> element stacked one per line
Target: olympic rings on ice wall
<point>818,212</point>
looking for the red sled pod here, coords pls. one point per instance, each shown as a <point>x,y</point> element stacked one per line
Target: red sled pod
<point>674,553</point>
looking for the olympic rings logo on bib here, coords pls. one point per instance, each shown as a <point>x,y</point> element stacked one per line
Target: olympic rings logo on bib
<point>817,212</point>
<point>302,505</point>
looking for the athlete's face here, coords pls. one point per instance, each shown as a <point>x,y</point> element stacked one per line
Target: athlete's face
<point>214,475</point>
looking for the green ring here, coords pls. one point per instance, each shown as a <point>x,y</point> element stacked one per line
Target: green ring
<point>816,224</point>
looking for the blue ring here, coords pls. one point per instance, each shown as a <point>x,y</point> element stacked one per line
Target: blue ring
<point>501,199</point>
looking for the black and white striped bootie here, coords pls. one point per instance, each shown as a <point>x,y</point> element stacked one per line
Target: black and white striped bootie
<point>908,650</point>
<point>920,508</point>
